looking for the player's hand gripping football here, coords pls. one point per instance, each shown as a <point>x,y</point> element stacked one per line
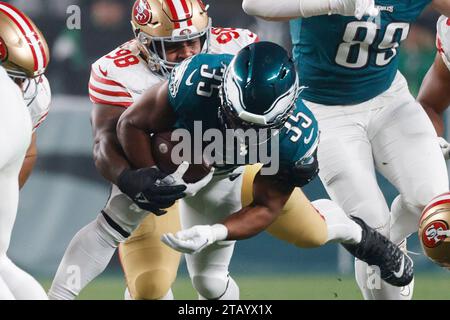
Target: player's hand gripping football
<point>195,239</point>
<point>356,8</point>
<point>176,178</point>
<point>144,187</point>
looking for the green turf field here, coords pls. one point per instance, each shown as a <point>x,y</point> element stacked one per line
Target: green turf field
<point>431,287</point>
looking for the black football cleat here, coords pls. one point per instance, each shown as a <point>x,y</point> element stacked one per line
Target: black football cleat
<point>396,268</point>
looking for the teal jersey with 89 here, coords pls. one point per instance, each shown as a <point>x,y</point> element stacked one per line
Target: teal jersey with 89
<point>345,61</point>
<point>194,96</point>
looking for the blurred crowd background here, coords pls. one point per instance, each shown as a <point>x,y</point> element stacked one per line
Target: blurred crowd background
<point>105,24</point>
<point>65,191</point>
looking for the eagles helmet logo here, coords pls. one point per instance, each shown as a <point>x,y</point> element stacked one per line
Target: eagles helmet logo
<point>142,12</point>
<point>3,50</point>
<point>432,235</point>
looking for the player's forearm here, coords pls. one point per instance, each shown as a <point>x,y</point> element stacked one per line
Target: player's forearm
<point>250,221</point>
<point>269,197</point>
<point>135,142</point>
<point>27,168</point>
<point>442,6</point>
<point>109,157</point>
<point>434,93</point>
<point>437,119</point>
<point>285,8</point>
<point>291,9</point>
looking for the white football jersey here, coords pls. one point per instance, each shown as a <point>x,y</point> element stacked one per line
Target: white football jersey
<point>40,104</point>
<point>15,131</point>
<point>443,39</point>
<point>122,76</point>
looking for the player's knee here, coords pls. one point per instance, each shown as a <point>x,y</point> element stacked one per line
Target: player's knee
<point>210,287</point>
<point>152,285</point>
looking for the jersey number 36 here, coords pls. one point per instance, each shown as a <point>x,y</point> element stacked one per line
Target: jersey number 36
<point>354,52</point>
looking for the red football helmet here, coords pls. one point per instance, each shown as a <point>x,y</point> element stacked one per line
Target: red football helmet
<point>159,22</point>
<point>434,231</point>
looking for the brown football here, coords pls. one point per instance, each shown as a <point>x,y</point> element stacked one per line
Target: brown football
<point>162,149</point>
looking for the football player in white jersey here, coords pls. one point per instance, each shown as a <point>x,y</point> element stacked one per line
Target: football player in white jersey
<point>365,119</point>
<point>24,57</point>
<point>166,33</point>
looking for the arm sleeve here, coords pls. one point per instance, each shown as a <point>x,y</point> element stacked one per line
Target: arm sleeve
<point>286,8</point>
<point>104,90</point>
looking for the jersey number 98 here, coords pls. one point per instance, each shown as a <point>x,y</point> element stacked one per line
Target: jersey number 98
<point>355,53</point>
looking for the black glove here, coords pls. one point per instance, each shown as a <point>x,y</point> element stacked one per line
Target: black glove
<point>302,173</point>
<point>143,188</point>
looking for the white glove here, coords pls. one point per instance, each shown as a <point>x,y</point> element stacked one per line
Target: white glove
<point>176,178</point>
<point>195,239</point>
<point>356,8</point>
<point>445,147</point>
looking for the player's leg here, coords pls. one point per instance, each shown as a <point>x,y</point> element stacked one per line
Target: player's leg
<point>305,224</point>
<point>209,269</point>
<point>22,285</point>
<point>92,247</point>
<point>150,266</point>
<point>348,173</point>
<point>346,164</point>
<point>407,153</point>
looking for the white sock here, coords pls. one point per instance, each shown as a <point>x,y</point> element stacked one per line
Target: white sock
<point>5,293</point>
<point>87,255</point>
<point>21,284</point>
<point>340,227</point>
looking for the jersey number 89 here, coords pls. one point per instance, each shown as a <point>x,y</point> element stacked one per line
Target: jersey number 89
<point>354,53</point>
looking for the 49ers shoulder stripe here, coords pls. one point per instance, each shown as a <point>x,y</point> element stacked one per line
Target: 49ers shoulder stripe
<point>22,22</point>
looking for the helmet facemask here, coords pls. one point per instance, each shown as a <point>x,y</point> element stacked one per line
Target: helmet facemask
<point>155,47</point>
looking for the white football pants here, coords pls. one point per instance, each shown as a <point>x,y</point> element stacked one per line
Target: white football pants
<point>392,134</point>
<point>209,269</point>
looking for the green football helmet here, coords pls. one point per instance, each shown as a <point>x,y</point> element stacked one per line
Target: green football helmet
<point>260,88</point>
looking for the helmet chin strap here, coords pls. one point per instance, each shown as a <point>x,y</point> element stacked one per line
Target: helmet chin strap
<point>157,61</point>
